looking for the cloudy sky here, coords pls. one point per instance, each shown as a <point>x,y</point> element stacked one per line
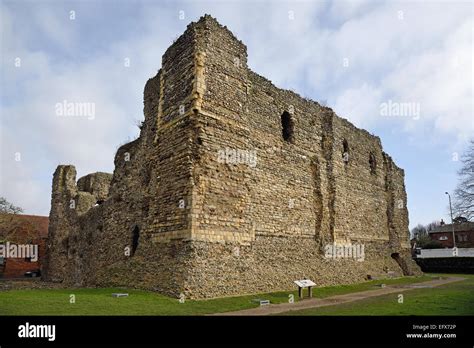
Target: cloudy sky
<point>362,58</point>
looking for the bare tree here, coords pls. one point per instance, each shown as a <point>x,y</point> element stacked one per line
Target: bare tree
<point>432,225</point>
<point>9,208</point>
<point>422,235</point>
<point>464,193</point>
<point>419,232</point>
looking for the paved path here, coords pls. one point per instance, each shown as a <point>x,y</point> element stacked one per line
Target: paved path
<point>338,299</point>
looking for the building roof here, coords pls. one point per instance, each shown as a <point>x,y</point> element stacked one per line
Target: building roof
<point>462,227</point>
<point>19,228</point>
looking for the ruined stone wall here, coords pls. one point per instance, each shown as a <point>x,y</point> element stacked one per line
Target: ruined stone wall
<point>265,223</point>
<point>202,221</point>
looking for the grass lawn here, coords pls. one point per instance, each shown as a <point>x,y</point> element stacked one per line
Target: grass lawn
<point>139,302</point>
<point>450,299</point>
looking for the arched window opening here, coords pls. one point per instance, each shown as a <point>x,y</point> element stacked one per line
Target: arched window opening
<point>372,163</point>
<point>135,238</point>
<point>287,125</point>
<point>345,151</point>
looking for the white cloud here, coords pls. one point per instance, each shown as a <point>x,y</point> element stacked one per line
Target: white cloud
<point>440,79</point>
<point>360,103</point>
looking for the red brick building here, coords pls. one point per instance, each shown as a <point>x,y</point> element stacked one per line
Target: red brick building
<point>464,234</point>
<point>22,229</point>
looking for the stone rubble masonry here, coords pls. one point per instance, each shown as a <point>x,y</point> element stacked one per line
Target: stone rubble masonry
<point>176,219</point>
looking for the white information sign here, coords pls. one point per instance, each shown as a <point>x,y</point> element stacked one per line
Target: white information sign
<point>304,283</point>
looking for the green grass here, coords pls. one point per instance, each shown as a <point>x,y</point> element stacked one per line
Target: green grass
<point>449,299</point>
<point>101,302</point>
<point>140,302</point>
<point>370,285</point>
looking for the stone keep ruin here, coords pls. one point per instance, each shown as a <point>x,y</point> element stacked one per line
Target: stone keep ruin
<point>234,186</point>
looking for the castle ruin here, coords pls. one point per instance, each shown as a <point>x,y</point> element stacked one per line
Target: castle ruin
<point>234,186</point>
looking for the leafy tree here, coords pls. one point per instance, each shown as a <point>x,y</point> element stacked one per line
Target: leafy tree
<point>431,244</point>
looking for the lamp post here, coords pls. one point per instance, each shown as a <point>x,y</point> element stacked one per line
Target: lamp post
<point>452,222</point>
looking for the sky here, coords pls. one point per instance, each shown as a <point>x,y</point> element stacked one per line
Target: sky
<point>403,70</point>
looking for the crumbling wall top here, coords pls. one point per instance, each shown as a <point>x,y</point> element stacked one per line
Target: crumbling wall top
<point>96,184</point>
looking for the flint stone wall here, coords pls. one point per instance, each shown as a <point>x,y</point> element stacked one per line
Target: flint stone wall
<point>182,214</point>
